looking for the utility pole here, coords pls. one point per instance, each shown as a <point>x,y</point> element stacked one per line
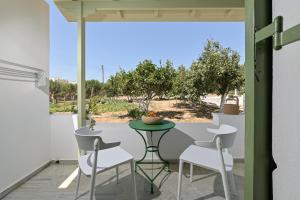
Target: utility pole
<point>102,70</point>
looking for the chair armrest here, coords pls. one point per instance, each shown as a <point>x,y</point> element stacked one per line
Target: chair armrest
<point>97,132</point>
<point>207,144</point>
<point>99,144</point>
<point>109,145</point>
<point>96,143</point>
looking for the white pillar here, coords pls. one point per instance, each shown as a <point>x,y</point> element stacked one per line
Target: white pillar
<point>81,68</point>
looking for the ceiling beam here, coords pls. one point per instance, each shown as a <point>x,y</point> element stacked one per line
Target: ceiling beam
<point>120,14</point>
<point>193,13</point>
<point>70,8</point>
<point>156,13</point>
<point>162,4</point>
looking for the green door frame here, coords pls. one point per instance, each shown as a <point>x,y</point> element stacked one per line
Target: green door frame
<point>259,162</point>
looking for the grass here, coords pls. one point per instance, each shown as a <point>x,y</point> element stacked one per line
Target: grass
<point>115,106</point>
<point>62,107</point>
<point>104,107</point>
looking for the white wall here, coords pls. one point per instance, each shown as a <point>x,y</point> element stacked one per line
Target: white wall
<point>64,147</point>
<point>24,115</point>
<point>286,108</point>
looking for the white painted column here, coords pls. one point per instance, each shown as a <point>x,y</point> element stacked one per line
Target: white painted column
<point>81,68</point>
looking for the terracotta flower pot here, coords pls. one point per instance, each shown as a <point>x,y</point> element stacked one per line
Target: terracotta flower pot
<point>152,120</point>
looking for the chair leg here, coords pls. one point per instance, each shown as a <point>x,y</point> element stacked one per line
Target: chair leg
<point>93,177</point>
<point>225,184</point>
<point>117,174</point>
<point>233,185</point>
<point>179,179</point>
<point>191,172</point>
<point>78,182</point>
<point>133,179</point>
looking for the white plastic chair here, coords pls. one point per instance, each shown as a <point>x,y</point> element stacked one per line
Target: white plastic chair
<point>212,155</point>
<point>101,157</point>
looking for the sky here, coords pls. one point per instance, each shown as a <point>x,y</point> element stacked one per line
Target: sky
<point>123,45</point>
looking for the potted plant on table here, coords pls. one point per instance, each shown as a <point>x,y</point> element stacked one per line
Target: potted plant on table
<point>152,118</point>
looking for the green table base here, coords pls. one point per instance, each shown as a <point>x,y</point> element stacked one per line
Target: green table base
<point>165,126</point>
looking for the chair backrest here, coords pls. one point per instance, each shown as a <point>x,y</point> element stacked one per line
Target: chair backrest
<point>226,133</point>
<point>85,139</point>
<point>75,121</point>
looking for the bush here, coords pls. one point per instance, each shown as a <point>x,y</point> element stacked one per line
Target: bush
<point>61,107</point>
<point>136,113</point>
<point>92,105</point>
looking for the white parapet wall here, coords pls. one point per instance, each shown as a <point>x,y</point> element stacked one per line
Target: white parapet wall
<point>64,147</point>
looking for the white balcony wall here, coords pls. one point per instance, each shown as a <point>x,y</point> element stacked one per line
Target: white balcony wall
<point>64,147</point>
<point>24,115</point>
<point>286,107</point>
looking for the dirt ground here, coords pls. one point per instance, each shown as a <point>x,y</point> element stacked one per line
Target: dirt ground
<point>175,110</point>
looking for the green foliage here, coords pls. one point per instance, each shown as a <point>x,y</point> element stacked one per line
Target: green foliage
<point>61,107</point>
<point>114,106</point>
<point>136,113</point>
<point>93,88</point>
<point>130,86</point>
<point>62,89</point>
<point>217,70</point>
<point>195,83</point>
<point>92,104</point>
<point>54,90</point>
<point>164,76</point>
<point>179,86</point>
<point>113,87</point>
<point>145,77</point>
<point>97,105</point>
<point>220,69</point>
<point>122,83</point>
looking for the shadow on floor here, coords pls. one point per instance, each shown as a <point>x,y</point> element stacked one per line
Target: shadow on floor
<point>178,139</point>
<point>218,190</point>
<point>124,190</point>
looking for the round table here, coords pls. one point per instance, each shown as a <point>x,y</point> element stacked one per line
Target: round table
<point>165,126</point>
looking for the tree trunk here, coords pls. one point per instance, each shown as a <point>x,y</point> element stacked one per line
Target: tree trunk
<point>129,99</point>
<point>92,91</point>
<point>52,98</point>
<point>223,98</point>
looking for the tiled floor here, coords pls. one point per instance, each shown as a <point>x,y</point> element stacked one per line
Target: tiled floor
<point>206,185</point>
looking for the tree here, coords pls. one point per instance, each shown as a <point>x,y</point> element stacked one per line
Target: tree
<point>73,91</point>
<point>65,89</point>
<point>93,87</point>
<point>109,87</point>
<point>54,89</point>
<point>164,76</point>
<point>196,85</point>
<point>179,81</point>
<point>146,80</point>
<point>221,70</point>
<point>129,86</point>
